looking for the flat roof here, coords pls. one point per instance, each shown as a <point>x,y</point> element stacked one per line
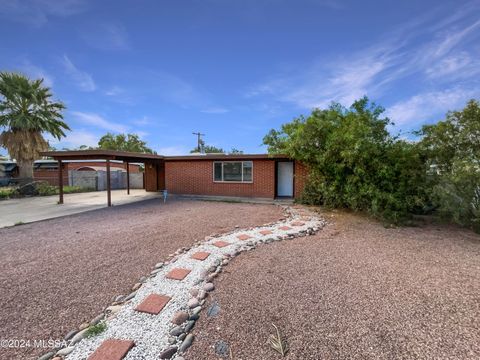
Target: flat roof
<point>197,157</point>
<point>101,155</point>
<point>140,157</point>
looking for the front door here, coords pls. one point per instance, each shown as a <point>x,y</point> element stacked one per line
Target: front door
<point>285,178</point>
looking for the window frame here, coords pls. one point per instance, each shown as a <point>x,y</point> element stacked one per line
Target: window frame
<point>231,182</point>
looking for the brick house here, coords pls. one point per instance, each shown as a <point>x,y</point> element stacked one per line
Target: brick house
<point>256,176</point>
<point>227,175</point>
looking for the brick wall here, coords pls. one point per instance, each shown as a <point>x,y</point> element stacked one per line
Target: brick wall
<point>50,175</point>
<point>196,178</point>
<point>301,173</point>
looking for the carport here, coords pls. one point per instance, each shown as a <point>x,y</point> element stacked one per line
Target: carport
<point>154,167</point>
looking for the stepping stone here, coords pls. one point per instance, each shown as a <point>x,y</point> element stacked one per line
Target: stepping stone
<point>265,232</point>
<point>178,274</point>
<point>243,237</point>
<point>112,349</point>
<point>221,244</point>
<point>201,255</point>
<point>153,304</point>
<point>285,228</point>
<point>297,223</point>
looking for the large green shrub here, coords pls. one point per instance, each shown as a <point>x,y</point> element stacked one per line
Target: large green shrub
<point>354,162</point>
<point>453,148</point>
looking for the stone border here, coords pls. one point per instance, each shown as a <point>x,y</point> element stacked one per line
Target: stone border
<point>167,335</point>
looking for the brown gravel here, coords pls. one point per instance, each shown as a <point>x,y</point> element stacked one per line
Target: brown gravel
<point>356,290</point>
<point>56,274</point>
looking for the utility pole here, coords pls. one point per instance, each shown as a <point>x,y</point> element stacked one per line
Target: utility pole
<point>199,140</point>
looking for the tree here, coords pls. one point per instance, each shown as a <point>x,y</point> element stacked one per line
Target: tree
<point>236,151</point>
<point>457,138</point>
<point>122,142</point>
<point>353,161</point>
<point>207,149</point>
<point>26,112</point>
<point>453,149</point>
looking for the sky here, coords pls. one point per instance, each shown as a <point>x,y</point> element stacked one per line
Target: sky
<point>234,69</point>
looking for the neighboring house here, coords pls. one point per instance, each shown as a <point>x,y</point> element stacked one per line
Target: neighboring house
<point>8,171</point>
<point>90,174</point>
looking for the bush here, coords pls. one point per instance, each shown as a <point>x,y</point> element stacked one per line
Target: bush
<point>354,162</point>
<point>453,152</point>
<point>45,189</point>
<point>457,196</point>
<point>6,193</point>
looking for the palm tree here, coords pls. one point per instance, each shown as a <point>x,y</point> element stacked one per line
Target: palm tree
<point>26,112</point>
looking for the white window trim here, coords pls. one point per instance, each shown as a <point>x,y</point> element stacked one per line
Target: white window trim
<point>231,182</point>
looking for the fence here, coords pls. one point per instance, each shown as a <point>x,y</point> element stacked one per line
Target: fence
<point>97,180</point>
<point>94,180</point>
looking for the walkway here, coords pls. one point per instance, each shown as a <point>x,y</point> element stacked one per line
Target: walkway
<point>155,320</point>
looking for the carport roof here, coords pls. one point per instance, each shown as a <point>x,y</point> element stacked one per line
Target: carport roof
<point>101,154</point>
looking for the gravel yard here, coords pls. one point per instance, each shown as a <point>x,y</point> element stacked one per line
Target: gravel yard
<point>356,290</point>
<point>56,274</point>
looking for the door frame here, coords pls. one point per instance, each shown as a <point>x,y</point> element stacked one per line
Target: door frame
<point>276,179</point>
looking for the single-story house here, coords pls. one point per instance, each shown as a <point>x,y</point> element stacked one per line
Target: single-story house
<point>229,175</point>
<point>259,176</point>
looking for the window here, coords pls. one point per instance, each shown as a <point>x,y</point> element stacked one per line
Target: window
<point>232,171</point>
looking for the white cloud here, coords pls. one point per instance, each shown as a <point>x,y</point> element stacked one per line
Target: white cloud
<point>106,36</point>
<point>141,134</point>
<point>36,72</point>
<point>74,139</point>
<point>114,91</point>
<point>423,107</point>
<point>142,121</point>
<point>82,79</point>
<point>456,66</point>
<point>173,150</point>
<point>215,110</point>
<point>99,122</point>
<point>414,51</point>
<point>38,12</point>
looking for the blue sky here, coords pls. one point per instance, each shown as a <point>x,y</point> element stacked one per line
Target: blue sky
<point>233,69</point>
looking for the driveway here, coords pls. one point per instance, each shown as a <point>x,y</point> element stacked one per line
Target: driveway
<point>59,273</point>
<point>37,208</point>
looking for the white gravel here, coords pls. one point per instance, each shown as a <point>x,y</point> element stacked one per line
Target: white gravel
<point>150,333</point>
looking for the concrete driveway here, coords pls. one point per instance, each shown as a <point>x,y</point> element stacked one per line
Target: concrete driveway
<point>38,208</point>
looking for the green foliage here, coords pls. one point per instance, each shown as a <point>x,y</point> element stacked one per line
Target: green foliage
<point>207,149</point>
<point>354,162</point>
<point>27,111</point>
<point>27,105</point>
<point>453,149</point>
<point>210,149</point>
<point>457,138</point>
<point>45,189</point>
<point>96,329</point>
<point>6,193</point>
<point>122,142</point>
